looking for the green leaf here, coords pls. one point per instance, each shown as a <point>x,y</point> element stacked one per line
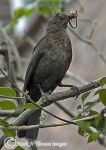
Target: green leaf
<point>96,121</point>
<point>85,95</point>
<point>92,112</point>
<point>81,132</point>
<point>84,126</point>
<point>79,107</point>
<point>19,148</point>
<point>102,96</point>
<point>101,124</point>
<point>9,133</point>
<point>29,12</point>
<point>7,105</point>
<point>7,91</point>
<point>19,12</point>
<point>93,137</point>
<point>97,92</point>
<point>102,82</point>
<point>89,103</point>
<point>46,8</point>
<point>104,129</point>
<point>4,123</point>
<point>30,106</point>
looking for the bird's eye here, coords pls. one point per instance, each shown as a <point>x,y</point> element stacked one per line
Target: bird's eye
<point>57,14</point>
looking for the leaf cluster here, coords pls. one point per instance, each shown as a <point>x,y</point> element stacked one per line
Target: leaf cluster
<point>45,8</point>
<point>94,128</point>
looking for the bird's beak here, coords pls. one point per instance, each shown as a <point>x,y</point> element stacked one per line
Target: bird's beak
<point>72,15</point>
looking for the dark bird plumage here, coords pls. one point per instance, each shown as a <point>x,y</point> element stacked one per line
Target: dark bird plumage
<point>50,61</point>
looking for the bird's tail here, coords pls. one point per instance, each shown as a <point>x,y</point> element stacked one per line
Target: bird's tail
<point>33,120</point>
<point>33,133</point>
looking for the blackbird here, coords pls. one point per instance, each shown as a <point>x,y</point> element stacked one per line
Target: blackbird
<point>50,61</point>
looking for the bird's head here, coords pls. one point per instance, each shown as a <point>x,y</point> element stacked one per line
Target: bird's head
<point>61,19</point>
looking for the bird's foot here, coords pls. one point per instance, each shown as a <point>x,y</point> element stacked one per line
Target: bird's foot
<point>73,87</point>
<point>44,98</point>
<point>75,91</point>
<point>44,93</point>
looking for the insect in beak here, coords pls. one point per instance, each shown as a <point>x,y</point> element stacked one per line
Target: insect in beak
<point>73,15</point>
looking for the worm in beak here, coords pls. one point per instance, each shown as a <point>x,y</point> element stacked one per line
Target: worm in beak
<point>73,15</point>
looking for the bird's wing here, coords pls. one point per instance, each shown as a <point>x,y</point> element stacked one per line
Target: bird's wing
<point>37,54</point>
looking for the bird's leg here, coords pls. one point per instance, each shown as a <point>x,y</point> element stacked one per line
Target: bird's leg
<point>64,85</point>
<point>43,93</point>
<point>73,87</point>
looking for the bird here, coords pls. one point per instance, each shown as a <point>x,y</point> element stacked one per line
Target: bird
<point>50,60</point>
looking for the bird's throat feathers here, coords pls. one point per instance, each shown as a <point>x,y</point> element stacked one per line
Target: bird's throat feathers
<point>54,28</point>
<point>56,33</point>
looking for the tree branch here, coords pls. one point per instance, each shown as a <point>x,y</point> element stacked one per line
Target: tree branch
<point>55,97</point>
<point>48,125</point>
<point>49,99</point>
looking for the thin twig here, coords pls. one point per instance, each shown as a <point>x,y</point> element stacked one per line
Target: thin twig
<point>70,114</point>
<point>2,77</point>
<point>9,97</point>
<point>75,77</point>
<point>89,42</point>
<point>49,125</point>
<point>12,113</point>
<point>30,41</point>
<point>11,74</point>
<point>14,49</point>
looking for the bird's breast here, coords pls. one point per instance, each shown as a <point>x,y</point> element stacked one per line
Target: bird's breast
<point>63,50</point>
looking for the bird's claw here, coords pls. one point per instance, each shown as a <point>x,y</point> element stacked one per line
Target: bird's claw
<point>44,95</point>
<point>75,91</point>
